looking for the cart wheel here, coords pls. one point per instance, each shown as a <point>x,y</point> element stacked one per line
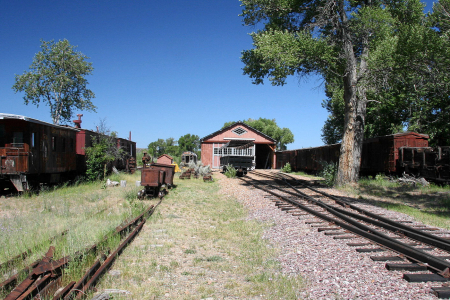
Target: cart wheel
<point>141,194</point>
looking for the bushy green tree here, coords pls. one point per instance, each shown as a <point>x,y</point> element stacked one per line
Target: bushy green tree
<point>103,151</point>
<point>413,88</point>
<point>174,148</point>
<point>57,78</point>
<point>189,142</point>
<point>353,43</point>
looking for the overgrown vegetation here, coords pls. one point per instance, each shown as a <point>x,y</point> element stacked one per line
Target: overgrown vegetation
<point>428,204</point>
<point>230,171</point>
<point>200,245</point>
<point>199,168</point>
<point>329,172</point>
<point>286,168</point>
<point>86,211</point>
<point>102,152</point>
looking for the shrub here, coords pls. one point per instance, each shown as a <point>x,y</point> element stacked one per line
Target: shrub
<point>230,171</point>
<point>286,168</point>
<point>329,172</point>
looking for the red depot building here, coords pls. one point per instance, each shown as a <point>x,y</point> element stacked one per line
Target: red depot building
<point>224,141</point>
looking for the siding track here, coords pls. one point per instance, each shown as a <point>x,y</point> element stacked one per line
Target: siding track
<point>408,245</point>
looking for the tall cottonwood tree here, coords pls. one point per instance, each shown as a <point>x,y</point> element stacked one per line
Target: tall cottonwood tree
<point>338,39</point>
<point>57,77</point>
<point>416,87</point>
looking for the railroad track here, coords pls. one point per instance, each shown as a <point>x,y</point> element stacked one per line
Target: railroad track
<point>341,219</point>
<point>45,276</point>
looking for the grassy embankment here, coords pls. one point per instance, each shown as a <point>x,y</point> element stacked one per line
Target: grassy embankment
<point>196,245</point>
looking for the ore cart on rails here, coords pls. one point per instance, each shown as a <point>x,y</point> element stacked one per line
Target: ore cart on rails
<point>154,177</point>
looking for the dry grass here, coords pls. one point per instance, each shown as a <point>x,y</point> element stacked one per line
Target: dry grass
<point>199,245</point>
<point>86,211</point>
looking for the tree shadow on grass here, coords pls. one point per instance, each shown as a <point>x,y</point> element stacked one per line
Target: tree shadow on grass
<point>430,202</point>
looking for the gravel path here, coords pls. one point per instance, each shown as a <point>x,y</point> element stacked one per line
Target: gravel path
<point>332,269</point>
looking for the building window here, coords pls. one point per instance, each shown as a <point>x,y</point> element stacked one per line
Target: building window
<point>33,140</point>
<point>239,131</point>
<point>17,139</point>
<point>63,144</point>
<point>71,145</point>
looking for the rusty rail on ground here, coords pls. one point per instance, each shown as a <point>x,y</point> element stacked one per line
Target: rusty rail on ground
<point>46,274</point>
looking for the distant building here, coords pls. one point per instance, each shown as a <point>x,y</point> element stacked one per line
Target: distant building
<point>188,157</point>
<point>165,159</point>
<point>228,141</point>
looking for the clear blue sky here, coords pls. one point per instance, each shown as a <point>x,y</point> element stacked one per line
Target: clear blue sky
<point>161,68</point>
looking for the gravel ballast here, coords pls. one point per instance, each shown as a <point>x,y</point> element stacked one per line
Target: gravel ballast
<point>331,268</point>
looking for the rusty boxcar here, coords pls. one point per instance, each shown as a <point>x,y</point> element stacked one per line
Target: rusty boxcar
<point>379,155</point>
<point>33,151</point>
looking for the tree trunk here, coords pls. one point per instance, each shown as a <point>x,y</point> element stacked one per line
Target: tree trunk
<point>348,163</point>
<point>352,142</point>
<point>355,110</point>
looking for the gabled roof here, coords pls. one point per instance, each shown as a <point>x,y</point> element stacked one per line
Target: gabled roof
<point>167,155</point>
<point>234,124</point>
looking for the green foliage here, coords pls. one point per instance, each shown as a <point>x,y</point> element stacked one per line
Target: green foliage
<point>103,151</point>
<point>286,168</point>
<point>269,127</point>
<point>175,148</point>
<point>57,77</point>
<point>329,172</point>
<point>95,161</point>
<point>189,142</point>
<point>411,89</point>
<point>379,55</point>
<point>230,171</point>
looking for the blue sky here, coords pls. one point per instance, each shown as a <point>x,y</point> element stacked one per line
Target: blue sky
<point>161,68</point>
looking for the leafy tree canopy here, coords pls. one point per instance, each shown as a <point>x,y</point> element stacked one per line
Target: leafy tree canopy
<point>414,92</point>
<point>269,127</point>
<point>103,151</point>
<point>57,77</point>
<point>359,47</point>
<point>188,142</point>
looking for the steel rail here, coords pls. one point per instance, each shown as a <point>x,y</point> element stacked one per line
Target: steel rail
<point>370,214</point>
<point>50,270</point>
<point>386,223</point>
<point>78,290</point>
<point>439,265</point>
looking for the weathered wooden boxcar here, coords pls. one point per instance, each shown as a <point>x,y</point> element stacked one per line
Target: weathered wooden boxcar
<point>33,151</point>
<point>379,155</point>
<point>431,163</point>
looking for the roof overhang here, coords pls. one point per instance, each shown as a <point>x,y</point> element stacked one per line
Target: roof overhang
<point>4,116</point>
<point>238,143</point>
